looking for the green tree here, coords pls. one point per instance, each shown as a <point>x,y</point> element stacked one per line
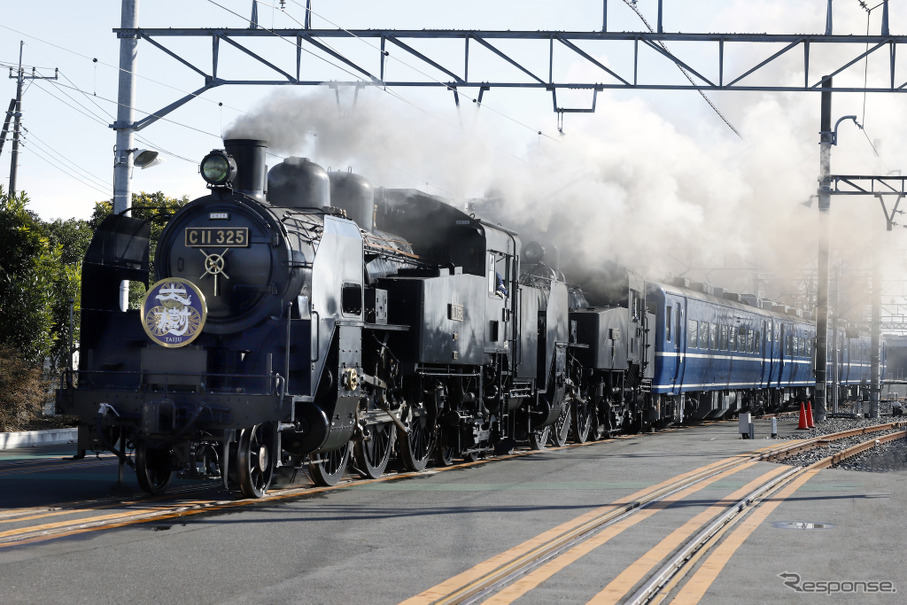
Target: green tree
<point>71,237</point>
<point>40,281</point>
<point>30,272</point>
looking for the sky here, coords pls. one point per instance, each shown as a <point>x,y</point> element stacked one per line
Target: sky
<point>655,180</point>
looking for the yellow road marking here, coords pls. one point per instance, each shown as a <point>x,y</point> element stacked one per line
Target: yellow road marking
<point>537,576</point>
<point>78,522</point>
<point>695,588</point>
<point>628,578</point>
<point>463,581</point>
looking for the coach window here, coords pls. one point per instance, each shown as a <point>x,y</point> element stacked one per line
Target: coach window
<point>703,335</point>
<point>692,333</point>
<point>713,336</point>
<point>679,325</point>
<point>732,339</point>
<point>668,319</point>
<point>757,341</point>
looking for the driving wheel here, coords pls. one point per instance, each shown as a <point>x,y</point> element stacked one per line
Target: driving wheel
<point>255,460</point>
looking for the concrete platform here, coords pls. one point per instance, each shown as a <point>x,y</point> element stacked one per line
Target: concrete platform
<point>37,438</point>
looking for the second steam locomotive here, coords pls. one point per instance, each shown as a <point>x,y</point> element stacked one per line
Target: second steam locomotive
<point>299,318</point>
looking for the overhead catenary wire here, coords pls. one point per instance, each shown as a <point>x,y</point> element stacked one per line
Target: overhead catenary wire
<point>109,117</point>
<point>387,54</point>
<point>865,81</point>
<point>74,105</point>
<point>45,152</point>
<point>95,61</point>
<point>384,89</point>
<point>81,174</point>
<point>475,100</point>
<point>87,112</point>
<point>635,9</point>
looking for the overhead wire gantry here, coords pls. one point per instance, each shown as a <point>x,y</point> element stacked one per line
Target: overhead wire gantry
<point>474,62</point>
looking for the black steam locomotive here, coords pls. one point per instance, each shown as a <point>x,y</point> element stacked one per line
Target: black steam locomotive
<point>298,317</point>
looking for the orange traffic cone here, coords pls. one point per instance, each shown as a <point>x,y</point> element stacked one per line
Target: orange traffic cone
<point>803,425</point>
<point>809,415</point>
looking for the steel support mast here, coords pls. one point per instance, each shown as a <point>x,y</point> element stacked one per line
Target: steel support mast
<point>125,124</point>
<point>826,136</point>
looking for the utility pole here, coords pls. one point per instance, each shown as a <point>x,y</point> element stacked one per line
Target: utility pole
<point>826,139</point>
<point>15,111</point>
<point>17,122</point>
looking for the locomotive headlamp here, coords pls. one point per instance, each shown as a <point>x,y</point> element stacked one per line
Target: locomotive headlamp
<point>218,168</point>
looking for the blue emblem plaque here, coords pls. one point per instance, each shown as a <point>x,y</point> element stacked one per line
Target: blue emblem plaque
<point>174,312</point>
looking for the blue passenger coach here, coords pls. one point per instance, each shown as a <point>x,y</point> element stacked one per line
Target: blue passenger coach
<point>850,361</point>
<point>715,355</point>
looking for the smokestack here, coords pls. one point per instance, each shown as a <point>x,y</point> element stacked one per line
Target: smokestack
<point>251,169</point>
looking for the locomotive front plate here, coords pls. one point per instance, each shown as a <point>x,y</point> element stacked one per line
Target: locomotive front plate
<point>225,237</point>
<point>174,312</point>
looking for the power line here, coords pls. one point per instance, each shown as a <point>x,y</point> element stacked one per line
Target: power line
<point>47,148</point>
<point>475,100</point>
<point>635,9</point>
<point>74,105</point>
<point>96,61</point>
<point>16,109</point>
<point>46,157</point>
<point>385,89</point>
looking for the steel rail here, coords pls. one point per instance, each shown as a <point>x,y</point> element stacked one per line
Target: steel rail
<point>782,452</point>
<point>507,572</point>
<point>522,562</point>
<point>510,570</point>
<point>710,536</point>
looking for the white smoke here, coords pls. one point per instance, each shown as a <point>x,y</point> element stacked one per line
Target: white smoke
<point>664,196</point>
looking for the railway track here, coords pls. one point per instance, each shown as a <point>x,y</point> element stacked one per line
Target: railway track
<point>674,567</point>
<point>714,533</point>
